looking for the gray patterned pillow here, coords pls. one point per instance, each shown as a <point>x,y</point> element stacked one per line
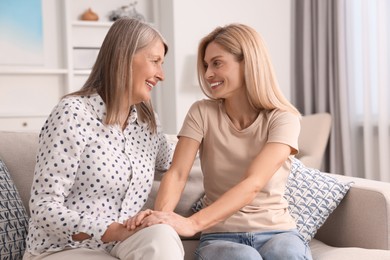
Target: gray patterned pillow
<point>13,218</point>
<point>312,196</point>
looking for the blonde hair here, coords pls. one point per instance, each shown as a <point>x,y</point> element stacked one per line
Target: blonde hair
<point>247,45</point>
<point>111,75</point>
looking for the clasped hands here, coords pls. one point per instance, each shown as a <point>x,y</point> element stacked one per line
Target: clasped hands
<point>146,218</point>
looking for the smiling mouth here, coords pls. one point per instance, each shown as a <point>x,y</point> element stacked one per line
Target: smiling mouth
<point>150,85</point>
<point>215,84</point>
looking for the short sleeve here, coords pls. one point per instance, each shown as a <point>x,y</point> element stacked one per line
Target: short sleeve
<point>284,127</point>
<point>194,124</point>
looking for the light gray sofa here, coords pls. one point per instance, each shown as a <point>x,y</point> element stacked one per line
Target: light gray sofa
<point>358,229</point>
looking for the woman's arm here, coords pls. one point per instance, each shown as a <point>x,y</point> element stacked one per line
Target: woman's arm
<point>174,180</point>
<point>61,145</point>
<point>260,171</point>
<point>115,232</point>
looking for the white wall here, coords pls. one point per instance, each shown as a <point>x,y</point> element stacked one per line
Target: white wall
<point>184,23</point>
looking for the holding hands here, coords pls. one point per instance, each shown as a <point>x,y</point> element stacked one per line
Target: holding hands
<point>137,221</point>
<point>183,226</point>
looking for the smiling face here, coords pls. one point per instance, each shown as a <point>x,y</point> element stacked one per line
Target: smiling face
<point>147,71</point>
<point>223,72</point>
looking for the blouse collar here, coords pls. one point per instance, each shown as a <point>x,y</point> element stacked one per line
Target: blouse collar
<point>100,109</point>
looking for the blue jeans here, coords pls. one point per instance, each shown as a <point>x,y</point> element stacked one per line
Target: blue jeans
<point>249,246</point>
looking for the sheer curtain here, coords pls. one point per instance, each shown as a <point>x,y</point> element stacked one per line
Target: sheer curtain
<point>341,65</point>
<point>368,63</point>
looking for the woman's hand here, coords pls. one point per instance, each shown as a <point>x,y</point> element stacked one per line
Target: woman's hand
<point>134,222</point>
<point>117,232</point>
<point>184,226</point>
<point>80,236</point>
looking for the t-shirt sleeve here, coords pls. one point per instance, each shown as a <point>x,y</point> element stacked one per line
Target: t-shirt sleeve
<point>284,127</point>
<point>194,124</point>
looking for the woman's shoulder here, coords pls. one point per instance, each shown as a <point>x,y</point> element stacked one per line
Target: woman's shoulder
<point>71,105</point>
<point>279,112</point>
<point>72,101</point>
<point>205,104</point>
<point>204,108</point>
<point>278,115</point>
<point>81,101</point>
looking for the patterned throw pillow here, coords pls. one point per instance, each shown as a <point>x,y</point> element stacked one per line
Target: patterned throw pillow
<point>13,218</point>
<point>312,196</point>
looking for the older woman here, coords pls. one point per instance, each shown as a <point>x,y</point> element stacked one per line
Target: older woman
<point>98,152</point>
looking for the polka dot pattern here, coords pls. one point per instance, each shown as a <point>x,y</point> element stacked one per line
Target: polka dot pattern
<point>89,175</point>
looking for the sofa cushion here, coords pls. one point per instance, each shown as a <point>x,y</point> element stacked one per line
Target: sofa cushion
<point>13,218</point>
<point>312,197</point>
<point>322,251</point>
<point>18,151</point>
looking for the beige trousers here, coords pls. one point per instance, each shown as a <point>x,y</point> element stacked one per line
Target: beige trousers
<point>158,242</point>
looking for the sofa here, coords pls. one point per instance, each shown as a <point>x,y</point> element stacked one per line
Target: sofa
<point>359,228</point>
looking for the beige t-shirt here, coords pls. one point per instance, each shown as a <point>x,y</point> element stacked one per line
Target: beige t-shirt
<point>225,155</point>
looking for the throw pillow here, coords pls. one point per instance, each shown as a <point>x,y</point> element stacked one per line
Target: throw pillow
<point>312,196</point>
<point>13,218</point>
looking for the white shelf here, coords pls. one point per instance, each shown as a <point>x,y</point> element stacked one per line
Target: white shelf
<point>82,72</point>
<point>14,71</point>
<point>99,24</point>
<point>25,123</point>
<point>28,93</point>
<point>20,115</point>
<point>91,24</point>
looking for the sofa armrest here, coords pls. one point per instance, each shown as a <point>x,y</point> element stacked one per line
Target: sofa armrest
<point>363,217</point>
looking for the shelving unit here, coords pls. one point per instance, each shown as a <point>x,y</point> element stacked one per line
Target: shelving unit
<point>84,38</point>
<point>12,71</point>
<point>28,93</point>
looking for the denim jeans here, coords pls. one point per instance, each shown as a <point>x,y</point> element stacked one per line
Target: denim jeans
<point>273,245</point>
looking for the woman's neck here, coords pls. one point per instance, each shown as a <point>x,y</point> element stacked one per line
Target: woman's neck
<point>240,112</point>
<point>124,116</point>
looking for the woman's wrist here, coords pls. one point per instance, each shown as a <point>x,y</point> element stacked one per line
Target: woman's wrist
<point>195,223</point>
<point>80,236</point>
<point>116,232</point>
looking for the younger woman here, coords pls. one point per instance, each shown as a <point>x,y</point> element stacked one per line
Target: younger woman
<point>246,134</point>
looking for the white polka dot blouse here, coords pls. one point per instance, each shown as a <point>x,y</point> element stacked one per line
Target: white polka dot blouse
<point>88,174</point>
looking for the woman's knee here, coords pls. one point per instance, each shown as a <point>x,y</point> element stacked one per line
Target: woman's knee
<point>163,232</point>
<point>158,242</point>
<point>293,248</point>
<point>165,238</point>
<point>214,250</point>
